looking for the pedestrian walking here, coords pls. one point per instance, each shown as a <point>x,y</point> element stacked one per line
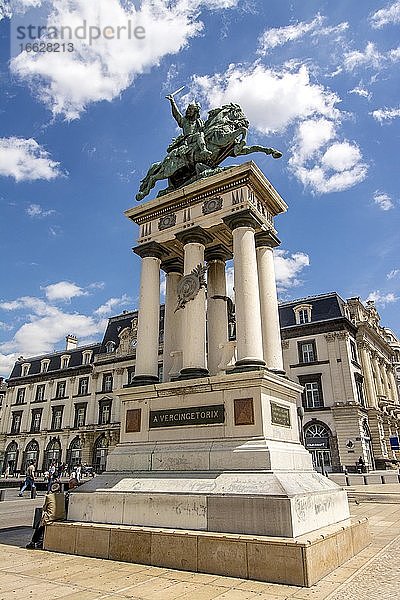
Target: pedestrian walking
<point>29,481</point>
<point>53,510</point>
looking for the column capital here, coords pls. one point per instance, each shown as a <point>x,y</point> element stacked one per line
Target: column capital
<point>218,252</point>
<point>244,218</point>
<point>172,265</point>
<point>151,249</point>
<point>194,235</point>
<point>268,239</point>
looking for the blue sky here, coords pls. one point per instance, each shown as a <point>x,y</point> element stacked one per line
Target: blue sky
<point>78,130</point>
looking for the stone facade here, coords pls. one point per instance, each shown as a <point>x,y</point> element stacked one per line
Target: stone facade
<point>346,362</point>
<point>61,407</point>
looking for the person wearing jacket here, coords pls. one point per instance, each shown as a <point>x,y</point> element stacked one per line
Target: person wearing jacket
<point>53,510</point>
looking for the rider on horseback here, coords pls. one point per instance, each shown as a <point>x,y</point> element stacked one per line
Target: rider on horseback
<point>193,136</point>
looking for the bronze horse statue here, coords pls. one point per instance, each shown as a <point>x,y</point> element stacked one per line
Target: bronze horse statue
<point>199,151</point>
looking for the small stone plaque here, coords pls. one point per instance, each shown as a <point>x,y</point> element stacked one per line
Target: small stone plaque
<point>194,415</point>
<point>280,415</point>
<point>133,420</point>
<point>244,411</point>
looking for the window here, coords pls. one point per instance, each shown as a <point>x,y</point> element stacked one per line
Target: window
<point>80,415</point>
<point>131,375</point>
<point>303,313</point>
<point>312,395</point>
<point>21,396</point>
<point>360,389</point>
<point>160,372</point>
<point>60,391</point>
<point>104,412</point>
<point>65,361</point>
<point>107,382</point>
<point>1,400</point>
<point>56,418</point>
<point>307,352</point>
<point>16,422</point>
<point>86,358</point>
<point>40,393</point>
<point>25,369</point>
<point>110,347</point>
<point>44,366</point>
<point>36,418</point>
<point>83,386</point>
<point>353,350</point>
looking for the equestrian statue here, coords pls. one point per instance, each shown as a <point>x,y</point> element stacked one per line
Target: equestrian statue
<point>201,147</point>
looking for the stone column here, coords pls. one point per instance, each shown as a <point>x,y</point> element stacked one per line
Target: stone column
<point>250,354</point>
<point>271,331</point>
<point>379,387</point>
<point>393,384</point>
<point>172,320</point>
<point>217,307</point>
<point>367,372</point>
<point>194,359</point>
<point>386,387</point>
<point>146,370</point>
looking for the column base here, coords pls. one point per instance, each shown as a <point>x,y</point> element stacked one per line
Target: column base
<point>192,373</point>
<point>248,364</point>
<point>144,380</point>
<point>279,372</point>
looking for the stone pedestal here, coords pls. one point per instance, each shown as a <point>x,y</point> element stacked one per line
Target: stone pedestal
<point>215,455</point>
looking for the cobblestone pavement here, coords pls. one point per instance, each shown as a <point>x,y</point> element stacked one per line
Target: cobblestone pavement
<point>373,573</point>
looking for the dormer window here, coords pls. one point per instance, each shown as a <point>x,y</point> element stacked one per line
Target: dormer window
<point>86,357</point>
<point>25,369</point>
<point>44,366</point>
<point>110,347</point>
<point>65,361</point>
<point>303,313</point>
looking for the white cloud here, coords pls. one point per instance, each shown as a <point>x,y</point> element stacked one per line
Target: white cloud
<point>360,91</point>
<point>370,58</point>
<point>385,114</point>
<point>7,360</point>
<point>37,212</point>
<point>26,160</point>
<point>288,268</point>
<point>278,36</point>
<point>108,307</point>
<point>385,16</point>
<point>271,99</point>
<point>392,274</point>
<point>275,100</point>
<point>381,298</point>
<point>341,156</point>
<point>383,200</point>
<point>5,326</point>
<point>67,82</point>
<point>63,290</point>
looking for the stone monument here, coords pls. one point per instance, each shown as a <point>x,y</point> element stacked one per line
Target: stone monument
<point>210,474</point>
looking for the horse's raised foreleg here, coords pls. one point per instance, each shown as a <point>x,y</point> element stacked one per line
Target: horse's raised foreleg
<point>243,150</point>
<point>149,181</point>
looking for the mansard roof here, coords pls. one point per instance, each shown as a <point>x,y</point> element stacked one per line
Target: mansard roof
<point>324,307</point>
<point>76,360</point>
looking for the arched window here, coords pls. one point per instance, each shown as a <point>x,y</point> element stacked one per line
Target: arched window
<point>100,452</point>
<point>74,453</point>
<point>52,454</point>
<point>10,458</point>
<point>31,455</point>
<point>317,440</point>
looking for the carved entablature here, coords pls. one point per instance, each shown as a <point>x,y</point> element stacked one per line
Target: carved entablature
<point>330,337</point>
<point>212,205</point>
<point>167,221</point>
<point>285,344</point>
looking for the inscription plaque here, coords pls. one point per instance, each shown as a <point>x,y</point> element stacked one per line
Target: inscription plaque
<point>194,415</point>
<point>280,415</point>
<point>133,420</point>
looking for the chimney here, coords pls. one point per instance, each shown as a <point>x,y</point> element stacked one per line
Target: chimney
<point>71,342</point>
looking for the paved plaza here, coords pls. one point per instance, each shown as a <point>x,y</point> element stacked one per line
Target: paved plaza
<point>372,574</point>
